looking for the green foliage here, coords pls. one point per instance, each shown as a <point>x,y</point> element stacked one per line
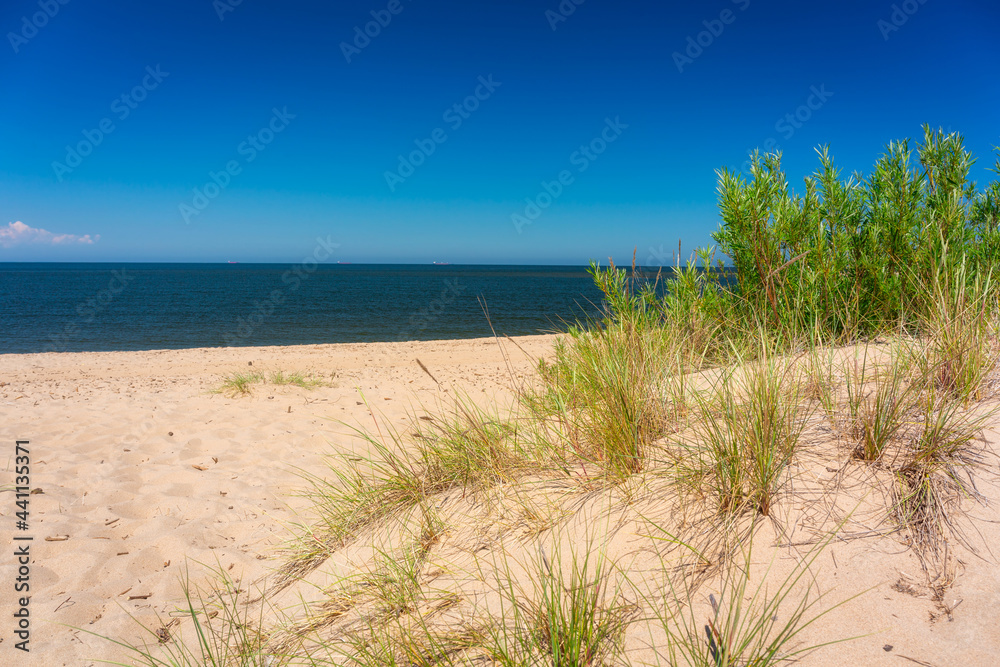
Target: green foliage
<point>631,300</point>
<point>912,246</point>
<point>852,258</point>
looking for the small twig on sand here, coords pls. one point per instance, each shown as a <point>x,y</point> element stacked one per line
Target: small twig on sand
<point>427,371</point>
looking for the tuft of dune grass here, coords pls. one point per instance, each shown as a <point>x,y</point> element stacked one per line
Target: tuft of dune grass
<point>242,383</point>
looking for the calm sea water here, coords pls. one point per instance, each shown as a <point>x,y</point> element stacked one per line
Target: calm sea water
<point>100,307</point>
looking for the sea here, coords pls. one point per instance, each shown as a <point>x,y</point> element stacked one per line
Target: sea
<point>66,307</point>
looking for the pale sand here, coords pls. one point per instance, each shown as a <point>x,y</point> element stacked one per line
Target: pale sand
<point>126,491</point>
<point>136,509</point>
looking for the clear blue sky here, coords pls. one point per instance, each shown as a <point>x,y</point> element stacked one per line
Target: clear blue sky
<point>324,172</point>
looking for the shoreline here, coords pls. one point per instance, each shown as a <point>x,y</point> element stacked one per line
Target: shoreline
<point>264,349</point>
<point>290,346</point>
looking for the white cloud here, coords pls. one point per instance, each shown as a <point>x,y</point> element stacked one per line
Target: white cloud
<point>18,232</point>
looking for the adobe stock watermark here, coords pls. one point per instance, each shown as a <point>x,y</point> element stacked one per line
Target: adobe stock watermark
<point>381,18</point>
<point>455,116</point>
<point>421,319</point>
<point>31,25</point>
<point>714,28</point>
<point>248,149</point>
<point>561,13</point>
<point>121,107</point>
<point>788,124</point>
<point>658,257</point>
<point>291,280</point>
<point>87,311</point>
<point>900,14</point>
<point>223,7</point>
<point>581,158</point>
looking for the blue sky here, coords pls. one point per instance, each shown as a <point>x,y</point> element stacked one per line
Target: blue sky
<point>311,130</point>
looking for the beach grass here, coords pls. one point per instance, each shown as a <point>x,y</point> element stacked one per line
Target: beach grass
<point>222,629</point>
<point>755,620</point>
<point>242,383</point>
<point>569,614</point>
<point>880,398</point>
<point>750,423</point>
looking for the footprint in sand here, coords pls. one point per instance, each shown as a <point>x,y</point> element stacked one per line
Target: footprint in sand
<point>192,448</point>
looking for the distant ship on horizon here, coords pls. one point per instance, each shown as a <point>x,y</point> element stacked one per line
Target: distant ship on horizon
<point>441,263</point>
<point>343,262</point>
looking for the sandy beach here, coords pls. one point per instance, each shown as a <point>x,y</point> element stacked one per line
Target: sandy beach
<point>144,473</point>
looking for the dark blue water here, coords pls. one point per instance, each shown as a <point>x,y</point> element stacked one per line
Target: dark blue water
<point>88,307</point>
